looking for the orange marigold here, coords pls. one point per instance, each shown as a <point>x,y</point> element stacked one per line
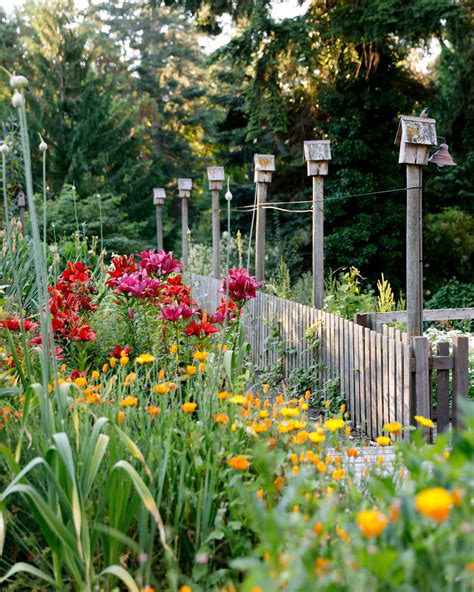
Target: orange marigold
<point>239,462</point>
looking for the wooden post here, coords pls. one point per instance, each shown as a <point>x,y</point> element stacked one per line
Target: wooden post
<point>460,374</point>
<point>21,202</point>
<point>184,191</point>
<point>159,196</point>
<point>414,251</point>
<point>317,155</point>
<point>264,165</point>
<point>442,380</point>
<point>216,177</point>
<point>422,403</point>
<point>415,136</point>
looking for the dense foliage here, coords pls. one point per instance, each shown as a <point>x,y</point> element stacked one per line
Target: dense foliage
<point>128,99</point>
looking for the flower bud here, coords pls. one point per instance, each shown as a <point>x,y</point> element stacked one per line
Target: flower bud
<point>18,82</point>
<point>4,148</point>
<point>228,195</point>
<point>18,100</point>
<point>43,146</point>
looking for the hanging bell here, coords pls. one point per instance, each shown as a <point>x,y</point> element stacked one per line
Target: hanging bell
<point>442,157</point>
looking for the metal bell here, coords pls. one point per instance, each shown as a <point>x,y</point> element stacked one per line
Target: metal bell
<point>442,157</point>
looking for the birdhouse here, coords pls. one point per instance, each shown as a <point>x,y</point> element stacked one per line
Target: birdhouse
<point>415,135</point>
<point>159,196</point>
<point>264,165</point>
<point>216,176</point>
<point>21,199</point>
<point>184,187</point>
<point>317,154</point>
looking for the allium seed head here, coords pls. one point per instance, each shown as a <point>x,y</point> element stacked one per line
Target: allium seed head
<point>18,100</point>
<point>43,146</point>
<point>18,82</point>
<point>4,148</point>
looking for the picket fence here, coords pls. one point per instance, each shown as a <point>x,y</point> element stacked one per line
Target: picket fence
<point>373,370</point>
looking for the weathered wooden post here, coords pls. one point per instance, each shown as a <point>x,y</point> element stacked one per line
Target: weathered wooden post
<point>215,175</point>
<point>317,154</point>
<point>415,135</point>
<point>264,165</point>
<point>184,191</point>
<point>159,196</point>
<point>21,203</point>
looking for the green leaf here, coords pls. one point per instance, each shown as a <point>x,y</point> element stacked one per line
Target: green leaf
<point>30,569</point>
<point>122,574</point>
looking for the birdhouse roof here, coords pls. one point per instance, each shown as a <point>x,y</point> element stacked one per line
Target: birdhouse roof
<point>215,173</point>
<point>317,150</point>
<point>185,184</point>
<point>264,162</point>
<point>159,193</point>
<point>416,130</point>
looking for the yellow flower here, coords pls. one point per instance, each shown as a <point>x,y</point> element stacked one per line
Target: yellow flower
<point>130,378</point>
<point>191,370</point>
<point>95,374</point>
<point>238,399</point>
<point>343,534</point>
<point>348,430</point>
<point>105,368</point>
<point>321,467</point>
<point>307,395</point>
<point>112,362</point>
<point>222,395</point>
<point>371,522</point>
<point>120,416</point>
<point>343,408</point>
<point>129,402</point>
<point>188,407</point>
<point>80,381</point>
<point>221,418</point>
<point>202,367</point>
<point>153,410</point>
<point>185,589</point>
<point>161,389</point>
<point>394,427</point>
<point>383,441</point>
<point>123,360</point>
<point>145,359</point>
<point>290,412</point>
<point>263,414</point>
<point>334,423</point>
<point>239,462</point>
<point>434,503</point>
<point>326,404</point>
<point>265,388</point>
<point>424,421</point>
<point>173,349</point>
<point>338,474</point>
<point>316,438</point>
<point>200,356</point>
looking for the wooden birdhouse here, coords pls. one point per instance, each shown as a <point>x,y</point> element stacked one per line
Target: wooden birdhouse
<point>317,154</point>
<point>184,187</point>
<point>21,199</point>
<point>159,196</point>
<point>415,135</point>
<point>264,165</point>
<point>216,176</point>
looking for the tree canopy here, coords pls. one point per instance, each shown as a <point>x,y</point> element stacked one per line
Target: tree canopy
<point>128,98</point>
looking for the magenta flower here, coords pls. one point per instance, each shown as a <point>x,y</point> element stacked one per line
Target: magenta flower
<point>139,284</point>
<point>173,312</point>
<point>242,286</point>
<point>159,262</point>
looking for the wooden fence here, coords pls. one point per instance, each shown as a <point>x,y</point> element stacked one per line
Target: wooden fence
<point>381,379</point>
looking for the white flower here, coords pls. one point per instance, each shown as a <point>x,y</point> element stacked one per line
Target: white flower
<point>43,146</point>
<point>18,82</point>
<point>18,100</point>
